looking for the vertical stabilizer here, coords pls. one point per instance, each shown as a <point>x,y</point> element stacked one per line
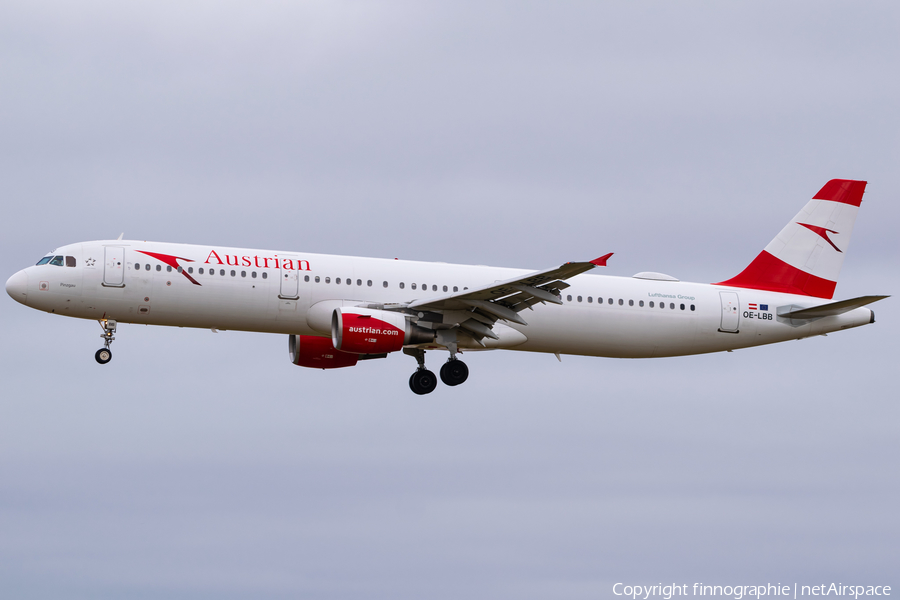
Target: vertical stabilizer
<point>806,257</point>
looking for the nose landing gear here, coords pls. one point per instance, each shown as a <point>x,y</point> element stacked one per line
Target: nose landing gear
<point>104,355</point>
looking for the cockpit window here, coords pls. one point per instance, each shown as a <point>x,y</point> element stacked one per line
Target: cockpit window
<point>44,260</point>
<point>57,261</point>
<point>70,261</point>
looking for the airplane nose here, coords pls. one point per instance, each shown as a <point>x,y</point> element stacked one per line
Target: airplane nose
<point>17,286</point>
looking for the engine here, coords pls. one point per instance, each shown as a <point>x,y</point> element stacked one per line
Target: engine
<point>370,331</point>
<point>318,353</point>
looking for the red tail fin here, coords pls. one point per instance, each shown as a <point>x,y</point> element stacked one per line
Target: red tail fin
<point>806,257</point>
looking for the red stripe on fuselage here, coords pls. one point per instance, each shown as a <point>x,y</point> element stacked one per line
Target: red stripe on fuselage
<point>772,274</point>
<point>172,261</point>
<point>846,191</point>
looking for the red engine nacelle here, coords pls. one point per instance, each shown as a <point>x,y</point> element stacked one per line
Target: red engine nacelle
<point>370,331</point>
<point>318,353</point>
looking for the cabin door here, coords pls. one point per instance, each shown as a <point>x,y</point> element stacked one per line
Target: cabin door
<point>730,312</point>
<point>114,266</point>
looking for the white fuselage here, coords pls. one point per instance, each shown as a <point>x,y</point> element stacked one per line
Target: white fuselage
<point>251,290</point>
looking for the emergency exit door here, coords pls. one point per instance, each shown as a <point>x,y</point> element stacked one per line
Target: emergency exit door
<point>290,279</point>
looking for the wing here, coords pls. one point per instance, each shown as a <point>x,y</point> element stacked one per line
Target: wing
<point>475,311</point>
<point>827,310</point>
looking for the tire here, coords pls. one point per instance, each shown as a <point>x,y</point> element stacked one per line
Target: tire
<point>454,372</point>
<point>103,355</point>
<point>422,382</point>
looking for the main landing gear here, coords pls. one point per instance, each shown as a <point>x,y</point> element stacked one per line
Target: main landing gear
<point>454,372</point>
<point>423,381</point>
<point>104,355</point>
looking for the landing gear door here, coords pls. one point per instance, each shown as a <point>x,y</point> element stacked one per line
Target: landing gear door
<point>290,279</point>
<point>730,312</point>
<point>114,266</point>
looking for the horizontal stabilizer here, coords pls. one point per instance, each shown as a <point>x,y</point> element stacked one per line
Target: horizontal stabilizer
<point>827,310</point>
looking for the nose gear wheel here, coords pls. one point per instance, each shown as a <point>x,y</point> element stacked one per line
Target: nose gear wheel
<point>104,354</point>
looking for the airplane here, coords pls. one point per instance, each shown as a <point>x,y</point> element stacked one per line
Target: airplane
<point>338,310</point>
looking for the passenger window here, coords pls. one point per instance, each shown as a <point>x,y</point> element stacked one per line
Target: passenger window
<point>672,305</point>
<point>305,277</point>
<point>579,298</point>
<point>169,268</point>
<point>641,303</point>
<point>233,273</point>
<point>651,304</point>
<point>413,286</point>
<point>590,299</point>
<point>253,275</point>
<point>137,266</point>
<point>222,272</point>
<point>455,289</point>
<point>200,270</point>
<point>384,284</point>
<point>147,267</point>
<point>621,302</point>
<point>328,280</point>
<point>692,307</point>
<point>662,305</point>
<point>599,300</point>
<point>159,267</point>
<point>317,277</point>
<point>70,261</point>
<point>631,303</point>
<point>244,274</point>
<point>265,275</point>
<point>44,261</point>
<point>349,281</point>
<point>359,282</point>
<point>569,297</point>
<point>369,283</point>
<point>337,280</point>
<point>682,307</point>
<point>402,285</point>
<point>433,288</point>
<point>610,301</point>
<point>445,288</point>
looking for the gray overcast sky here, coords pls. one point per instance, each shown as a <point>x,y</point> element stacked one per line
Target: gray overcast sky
<point>681,136</point>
